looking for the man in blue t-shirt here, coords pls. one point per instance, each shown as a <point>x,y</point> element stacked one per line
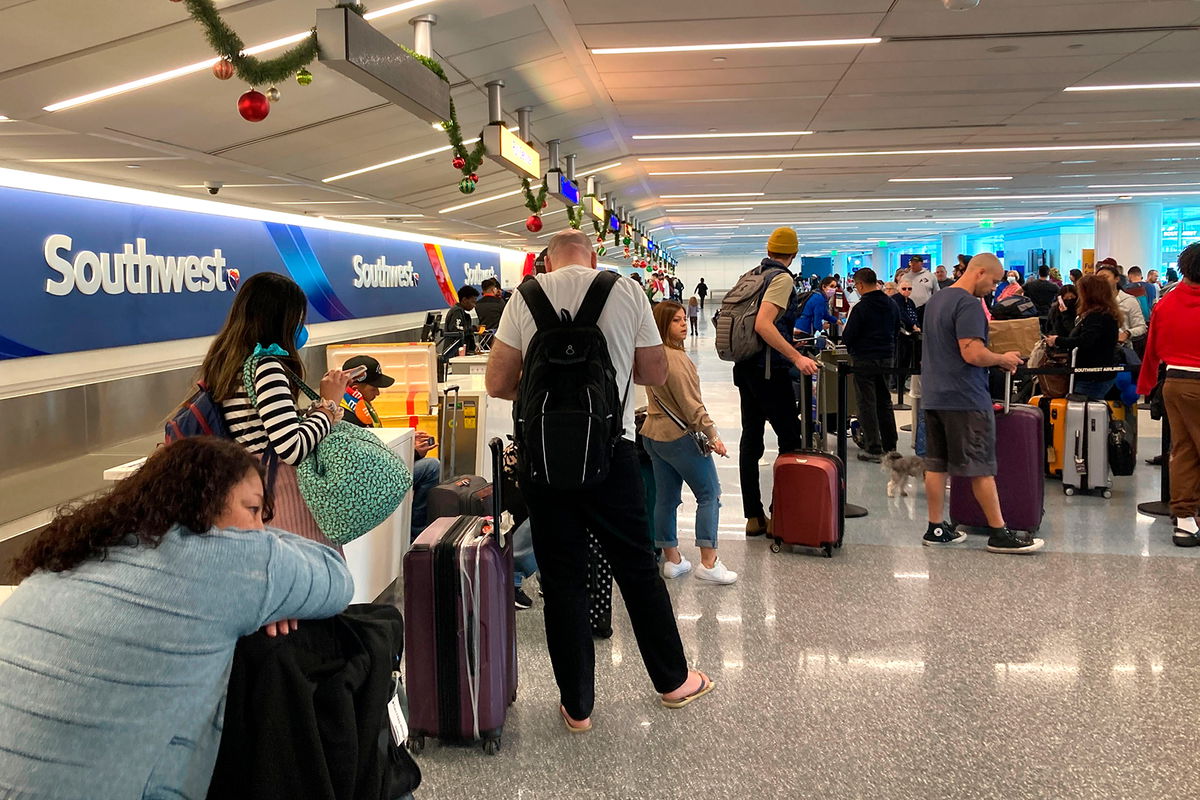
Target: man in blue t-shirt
<point>959,420</point>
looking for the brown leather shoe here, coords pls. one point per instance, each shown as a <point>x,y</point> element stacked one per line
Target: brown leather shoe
<point>757,526</point>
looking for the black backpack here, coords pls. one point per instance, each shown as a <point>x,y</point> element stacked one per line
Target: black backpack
<point>568,414</point>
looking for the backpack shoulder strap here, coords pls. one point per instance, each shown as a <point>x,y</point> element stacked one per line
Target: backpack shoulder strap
<point>544,315</point>
<point>597,295</point>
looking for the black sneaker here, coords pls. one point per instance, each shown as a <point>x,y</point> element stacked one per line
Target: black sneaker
<point>521,600</point>
<point>1184,535</point>
<point>874,458</point>
<point>1002,540</point>
<point>942,533</point>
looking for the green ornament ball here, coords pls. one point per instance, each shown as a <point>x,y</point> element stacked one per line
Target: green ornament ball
<point>626,241</point>
<point>466,186</point>
<point>304,77</point>
<point>601,250</point>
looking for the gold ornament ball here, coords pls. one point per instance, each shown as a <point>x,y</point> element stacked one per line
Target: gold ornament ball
<point>304,77</point>
<point>273,94</point>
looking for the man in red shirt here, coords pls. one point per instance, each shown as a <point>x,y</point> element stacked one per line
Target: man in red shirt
<point>1174,342</point>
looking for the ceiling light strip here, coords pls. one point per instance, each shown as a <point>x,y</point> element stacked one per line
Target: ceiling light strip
<point>745,135</point>
<point>1021,197</point>
<point>480,202</point>
<point>190,69</point>
<point>718,172</point>
<point>1127,87</point>
<point>697,48</point>
<point>950,180</point>
<point>716,194</point>
<point>935,152</point>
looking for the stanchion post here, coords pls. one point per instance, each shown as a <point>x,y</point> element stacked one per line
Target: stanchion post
<point>1162,506</point>
<point>843,396</point>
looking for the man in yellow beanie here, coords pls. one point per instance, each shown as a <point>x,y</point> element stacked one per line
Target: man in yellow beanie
<point>764,380</point>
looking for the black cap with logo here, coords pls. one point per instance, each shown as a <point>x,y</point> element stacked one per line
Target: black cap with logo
<point>374,376</point>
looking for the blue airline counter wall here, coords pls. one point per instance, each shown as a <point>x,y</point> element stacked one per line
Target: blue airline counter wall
<point>85,274</point>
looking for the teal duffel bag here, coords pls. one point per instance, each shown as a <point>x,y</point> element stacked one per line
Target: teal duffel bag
<point>351,482</point>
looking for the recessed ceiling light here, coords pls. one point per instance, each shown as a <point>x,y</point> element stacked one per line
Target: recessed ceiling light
<point>932,152</point>
<point>594,170</point>
<point>721,135</point>
<point>316,202</point>
<point>480,202</point>
<point>1126,87</point>
<point>696,48</point>
<point>241,186</point>
<point>98,160</point>
<point>718,194</point>
<point>948,180</point>
<point>719,171</point>
<point>179,72</point>
<point>375,216</point>
<point>947,199</point>
<point>719,59</point>
<point>4,118</point>
<point>133,166</point>
<point>1077,162</point>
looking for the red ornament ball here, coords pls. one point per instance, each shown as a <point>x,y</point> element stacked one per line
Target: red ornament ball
<point>533,224</point>
<point>459,162</point>
<point>543,204</point>
<point>254,106</point>
<point>600,239</point>
<point>223,69</point>
<point>473,177</point>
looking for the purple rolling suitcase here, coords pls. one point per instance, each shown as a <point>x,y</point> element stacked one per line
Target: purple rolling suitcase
<point>460,629</point>
<point>1020,458</point>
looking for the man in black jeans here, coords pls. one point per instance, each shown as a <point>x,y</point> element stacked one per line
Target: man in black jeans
<point>870,338</point>
<point>764,381</point>
<point>613,512</point>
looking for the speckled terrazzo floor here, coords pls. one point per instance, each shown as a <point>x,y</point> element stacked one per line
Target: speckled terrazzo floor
<point>889,671</point>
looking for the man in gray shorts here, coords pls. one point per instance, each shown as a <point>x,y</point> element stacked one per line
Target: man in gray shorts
<point>959,420</point>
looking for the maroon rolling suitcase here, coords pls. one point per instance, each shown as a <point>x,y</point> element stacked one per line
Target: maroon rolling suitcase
<point>808,501</point>
<point>460,629</point>
<point>1020,481</point>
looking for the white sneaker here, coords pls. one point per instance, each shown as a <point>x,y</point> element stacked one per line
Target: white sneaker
<point>718,574</point>
<point>673,570</point>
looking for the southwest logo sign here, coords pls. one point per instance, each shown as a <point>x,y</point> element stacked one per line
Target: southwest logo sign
<point>134,270</point>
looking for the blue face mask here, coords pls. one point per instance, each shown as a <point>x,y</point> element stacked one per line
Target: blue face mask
<point>301,336</point>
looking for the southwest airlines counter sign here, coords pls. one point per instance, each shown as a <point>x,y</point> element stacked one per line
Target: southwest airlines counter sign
<point>84,274</point>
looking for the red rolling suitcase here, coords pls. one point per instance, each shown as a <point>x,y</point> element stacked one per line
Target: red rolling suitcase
<point>808,501</point>
<point>1020,481</point>
<point>460,629</point>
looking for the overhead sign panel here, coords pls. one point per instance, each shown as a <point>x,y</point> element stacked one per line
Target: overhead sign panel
<point>349,45</point>
<point>506,149</point>
<point>595,208</point>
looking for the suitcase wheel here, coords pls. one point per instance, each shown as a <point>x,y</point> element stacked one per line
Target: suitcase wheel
<point>828,548</point>
<point>491,746</point>
<point>1068,490</point>
<point>776,546</point>
<point>1107,494</point>
<point>416,744</point>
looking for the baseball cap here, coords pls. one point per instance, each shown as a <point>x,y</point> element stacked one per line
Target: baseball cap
<point>374,376</point>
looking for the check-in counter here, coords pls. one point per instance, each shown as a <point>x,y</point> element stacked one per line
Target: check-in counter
<point>373,558</point>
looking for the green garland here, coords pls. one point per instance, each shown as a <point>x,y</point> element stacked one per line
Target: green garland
<point>575,216</point>
<point>471,158</point>
<point>254,71</point>
<point>534,204</point>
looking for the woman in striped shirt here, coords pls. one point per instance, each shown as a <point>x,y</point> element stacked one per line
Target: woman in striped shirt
<point>269,310</point>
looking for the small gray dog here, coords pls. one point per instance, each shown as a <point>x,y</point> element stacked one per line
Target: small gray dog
<point>899,469</point>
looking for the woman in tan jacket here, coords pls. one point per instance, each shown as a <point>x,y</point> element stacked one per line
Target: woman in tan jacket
<point>675,411</point>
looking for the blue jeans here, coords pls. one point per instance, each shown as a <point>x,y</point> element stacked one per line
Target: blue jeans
<point>524,562</point>
<point>675,463</point>
<point>1094,390</point>
<point>426,474</point>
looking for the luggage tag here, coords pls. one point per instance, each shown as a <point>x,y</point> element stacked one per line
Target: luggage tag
<point>396,719</point>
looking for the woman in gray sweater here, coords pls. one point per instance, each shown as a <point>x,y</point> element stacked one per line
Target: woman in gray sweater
<point>116,646</point>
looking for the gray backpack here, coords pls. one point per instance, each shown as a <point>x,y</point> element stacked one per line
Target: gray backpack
<point>734,321</point>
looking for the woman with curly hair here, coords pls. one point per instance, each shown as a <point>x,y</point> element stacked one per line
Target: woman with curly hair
<point>115,648</point>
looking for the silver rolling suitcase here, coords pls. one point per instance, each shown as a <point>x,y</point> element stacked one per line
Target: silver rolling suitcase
<point>1085,462</point>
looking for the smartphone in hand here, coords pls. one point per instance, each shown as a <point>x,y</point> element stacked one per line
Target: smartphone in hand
<point>357,374</point>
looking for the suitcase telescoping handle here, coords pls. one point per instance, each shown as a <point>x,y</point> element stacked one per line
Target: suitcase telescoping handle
<point>496,445</point>
<point>449,440</point>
